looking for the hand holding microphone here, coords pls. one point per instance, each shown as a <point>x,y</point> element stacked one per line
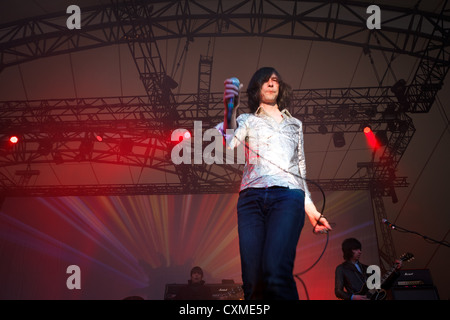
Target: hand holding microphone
<point>231,98</point>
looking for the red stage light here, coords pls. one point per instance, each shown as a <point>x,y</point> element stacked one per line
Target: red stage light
<point>180,135</point>
<point>99,138</point>
<point>371,139</point>
<point>367,130</point>
<point>13,139</point>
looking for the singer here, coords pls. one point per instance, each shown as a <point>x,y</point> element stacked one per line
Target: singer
<point>274,195</point>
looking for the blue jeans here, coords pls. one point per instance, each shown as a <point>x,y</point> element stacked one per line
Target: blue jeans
<point>269,225</point>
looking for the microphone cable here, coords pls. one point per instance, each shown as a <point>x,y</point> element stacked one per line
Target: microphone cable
<point>297,275</point>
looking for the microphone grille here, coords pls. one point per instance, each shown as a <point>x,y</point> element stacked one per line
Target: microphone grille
<point>235,81</point>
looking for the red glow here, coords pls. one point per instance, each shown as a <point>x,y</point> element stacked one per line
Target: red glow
<point>99,138</point>
<point>14,139</point>
<point>371,139</point>
<point>180,135</point>
<point>209,240</point>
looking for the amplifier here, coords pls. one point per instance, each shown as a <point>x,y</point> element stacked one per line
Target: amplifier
<point>227,291</point>
<point>414,278</point>
<point>219,291</point>
<point>414,284</point>
<point>415,293</point>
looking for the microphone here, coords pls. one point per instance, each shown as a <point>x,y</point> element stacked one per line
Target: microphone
<point>390,225</point>
<point>230,104</point>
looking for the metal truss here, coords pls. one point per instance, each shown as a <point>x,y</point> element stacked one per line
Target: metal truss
<point>343,22</point>
<point>386,248</point>
<point>65,130</point>
<point>211,187</point>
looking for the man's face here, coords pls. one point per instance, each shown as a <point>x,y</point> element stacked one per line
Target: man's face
<point>269,90</point>
<point>356,254</point>
<point>196,277</point>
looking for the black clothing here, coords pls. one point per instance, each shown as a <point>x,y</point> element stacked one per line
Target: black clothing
<point>194,291</point>
<point>348,280</point>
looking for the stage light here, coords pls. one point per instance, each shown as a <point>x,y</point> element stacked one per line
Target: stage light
<point>85,150</point>
<point>323,129</point>
<point>99,138</point>
<point>320,114</point>
<point>338,139</point>
<point>403,126</point>
<point>367,129</point>
<point>393,195</point>
<point>14,139</point>
<point>389,113</point>
<point>353,114</point>
<point>370,136</point>
<point>86,146</point>
<point>371,111</point>
<point>168,83</point>
<point>179,135</point>
<point>45,147</point>
<point>57,157</point>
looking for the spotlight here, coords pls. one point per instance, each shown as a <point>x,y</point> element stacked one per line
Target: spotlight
<point>86,146</point>
<point>99,137</point>
<point>323,129</point>
<point>371,111</point>
<point>389,113</point>
<point>85,150</point>
<point>179,135</point>
<point>367,129</point>
<point>45,147</point>
<point>57,157</point>
<point>338,139</point>
<point>168,83</point>
<point>399,87</point>
<point>393,195</point>
<point>353,114</point>
<point>319,113</point>
<point>14,139</point>
<point>403,126</point>
<point>370,136</point>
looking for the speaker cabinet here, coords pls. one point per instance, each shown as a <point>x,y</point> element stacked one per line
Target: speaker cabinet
<point>414,284</point>
<point>415,293</point>
<point>414,277</point>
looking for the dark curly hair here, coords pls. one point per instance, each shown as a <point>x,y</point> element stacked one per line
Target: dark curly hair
<point>254,88</point>
<point>348,246</point>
